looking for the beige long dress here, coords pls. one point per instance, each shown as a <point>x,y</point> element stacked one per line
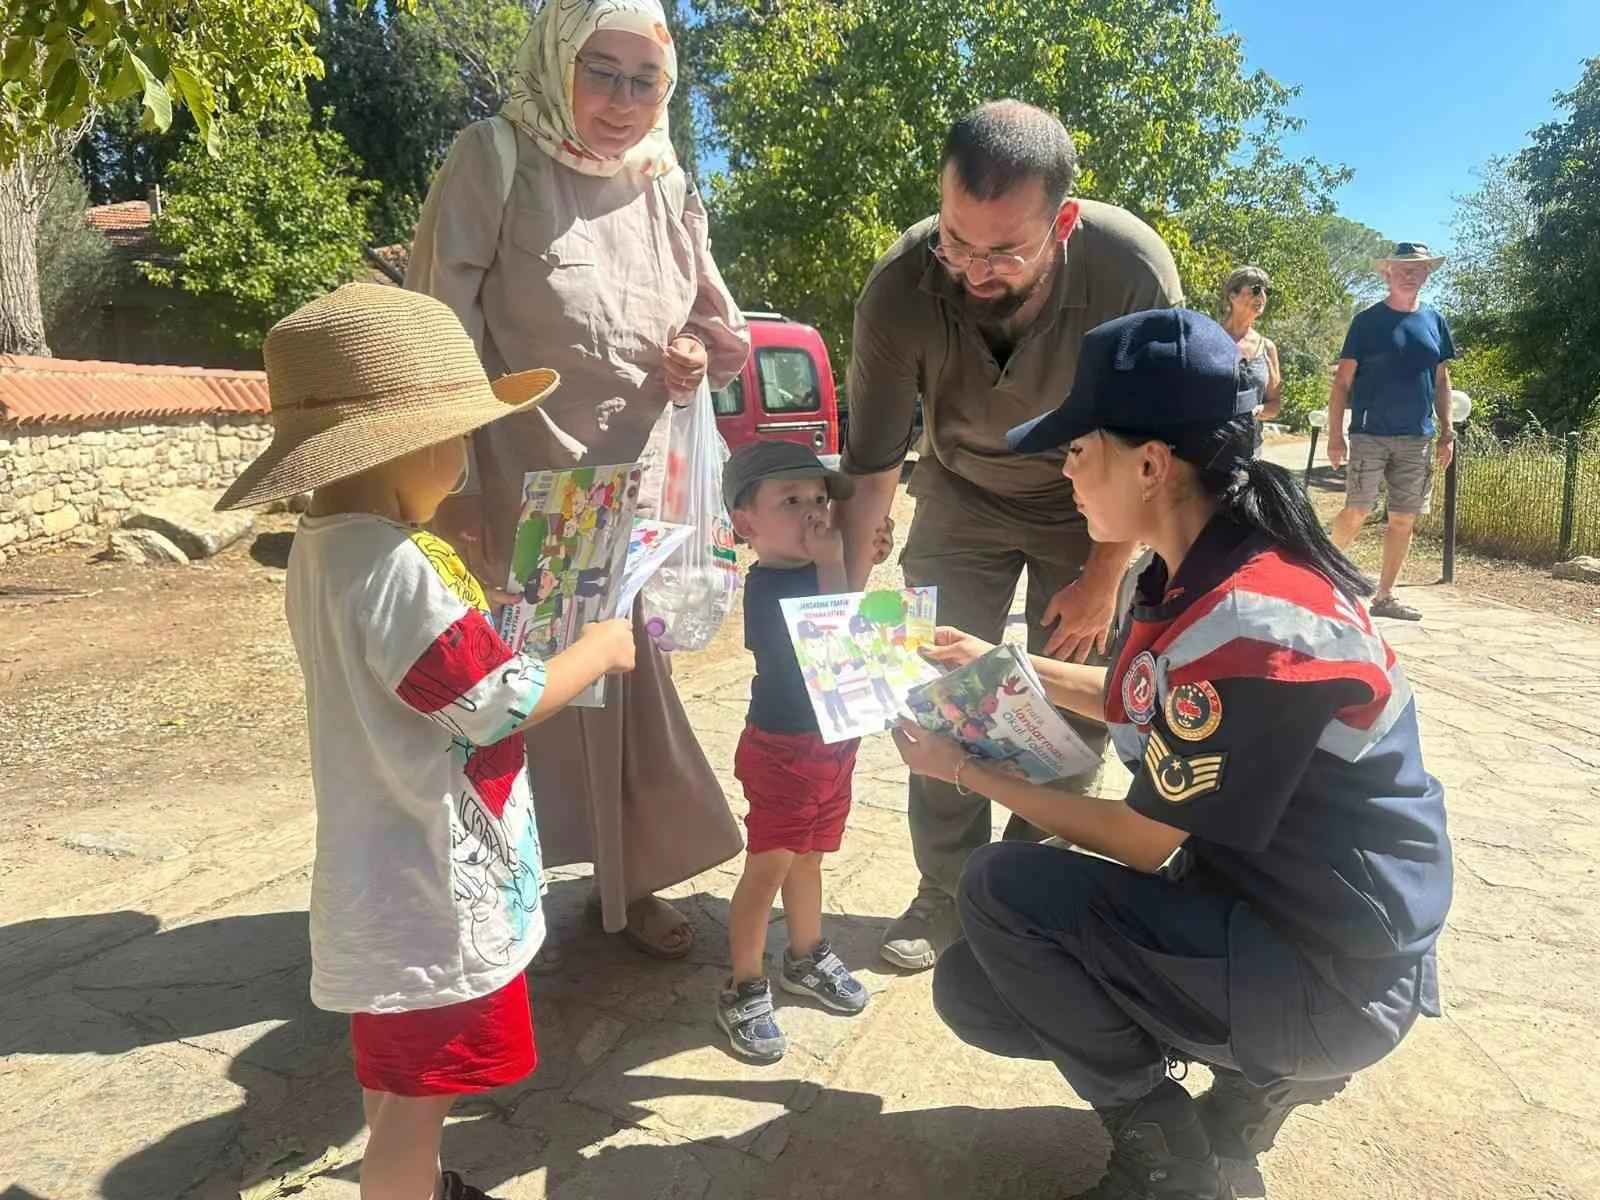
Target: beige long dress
<point>594,277</point>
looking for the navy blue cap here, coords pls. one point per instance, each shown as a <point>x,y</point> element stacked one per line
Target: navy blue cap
<point>1151,372</point>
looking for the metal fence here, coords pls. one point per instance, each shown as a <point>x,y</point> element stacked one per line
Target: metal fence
<point>1535,498</point>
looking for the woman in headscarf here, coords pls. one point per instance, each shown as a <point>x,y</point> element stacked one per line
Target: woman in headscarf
<point>1244,299</point>
<point>580,245</point>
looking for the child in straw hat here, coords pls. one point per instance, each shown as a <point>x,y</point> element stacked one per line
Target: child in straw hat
<point>425,894</point>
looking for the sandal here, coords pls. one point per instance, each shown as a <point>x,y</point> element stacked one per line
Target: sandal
<point>658,929</point>
<point>652,924</point>
<point>1388,606</point>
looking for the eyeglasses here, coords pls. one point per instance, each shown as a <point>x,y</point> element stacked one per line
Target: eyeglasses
<point>1257,289</point>
<point>603,80</point>
<point>978,267</point>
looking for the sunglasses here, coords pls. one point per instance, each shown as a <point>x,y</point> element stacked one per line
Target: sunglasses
<point>1256,289</point>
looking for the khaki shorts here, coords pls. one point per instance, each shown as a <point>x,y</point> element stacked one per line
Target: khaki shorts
<point>1404,463</point>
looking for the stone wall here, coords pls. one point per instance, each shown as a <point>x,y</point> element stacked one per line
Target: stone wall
<point>63,481</point>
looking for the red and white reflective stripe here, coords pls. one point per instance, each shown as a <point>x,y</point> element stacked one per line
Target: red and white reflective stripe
<point>1351,742</point>
<point>1267,637</point>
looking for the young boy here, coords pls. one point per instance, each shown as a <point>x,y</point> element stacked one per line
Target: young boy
<point>425,892</point>
<point>798,788</point>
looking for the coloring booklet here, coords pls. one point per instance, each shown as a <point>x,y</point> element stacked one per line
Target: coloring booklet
<point>859,654</point>
<point>568,559</point>
<point>650,545</point>
<point>996,707</point>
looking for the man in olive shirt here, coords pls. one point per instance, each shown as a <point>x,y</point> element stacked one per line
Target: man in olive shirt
<point>980,312</point>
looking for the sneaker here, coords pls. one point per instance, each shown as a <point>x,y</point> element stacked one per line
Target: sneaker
<point>923,932</point>
<point>744,1013</point>
<point>1242,1120</point>
<point>1159,1151</point>
<point>822,976</point>
<point>1388,606</point>
<point>456,1188</point>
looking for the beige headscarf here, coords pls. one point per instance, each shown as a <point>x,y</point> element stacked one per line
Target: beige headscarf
<point>540,102</point>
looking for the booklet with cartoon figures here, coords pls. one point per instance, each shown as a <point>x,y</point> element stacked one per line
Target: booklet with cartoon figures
<point>568,559</point>
<point>996,707</point>
<point>859,654</point>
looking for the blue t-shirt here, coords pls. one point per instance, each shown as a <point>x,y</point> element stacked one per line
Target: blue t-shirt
<point>1397,356</point>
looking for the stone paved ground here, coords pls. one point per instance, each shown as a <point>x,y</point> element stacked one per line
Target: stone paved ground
<point>159,1043</point>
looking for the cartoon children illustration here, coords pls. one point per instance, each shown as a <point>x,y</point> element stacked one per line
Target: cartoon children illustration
<point>825,657</point>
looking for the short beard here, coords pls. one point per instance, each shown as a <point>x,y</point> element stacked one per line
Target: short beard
<point>994,313</point>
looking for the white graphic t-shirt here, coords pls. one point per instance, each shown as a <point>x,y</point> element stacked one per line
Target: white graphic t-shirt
<point>426,885</point>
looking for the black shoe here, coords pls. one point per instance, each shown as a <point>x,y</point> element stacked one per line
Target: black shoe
<point>1242,1119</point>
<point>1159,1151</point>
<point>456,1188</point>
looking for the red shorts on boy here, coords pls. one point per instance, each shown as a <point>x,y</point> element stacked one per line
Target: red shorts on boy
<point>467,1047</point>
<point>798,787</point>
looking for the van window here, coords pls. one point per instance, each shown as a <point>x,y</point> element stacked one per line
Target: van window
<point>729,401</point>
<point>788,381</point>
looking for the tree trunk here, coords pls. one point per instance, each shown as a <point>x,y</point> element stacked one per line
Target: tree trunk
<point>21,194</point>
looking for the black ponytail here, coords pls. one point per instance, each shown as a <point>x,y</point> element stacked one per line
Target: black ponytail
<point>1264,497</point>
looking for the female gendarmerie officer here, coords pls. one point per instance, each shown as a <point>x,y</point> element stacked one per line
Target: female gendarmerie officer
<point>1287,870</point>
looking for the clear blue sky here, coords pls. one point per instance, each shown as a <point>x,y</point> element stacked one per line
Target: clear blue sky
<point>1413,94</point>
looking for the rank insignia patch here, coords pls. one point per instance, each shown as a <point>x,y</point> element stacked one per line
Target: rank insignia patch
<point>1177,779</point>
<point>1139,689</point>
<point>1194,711</point>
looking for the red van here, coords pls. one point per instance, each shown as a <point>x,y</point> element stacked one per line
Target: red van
<point>785,391</point>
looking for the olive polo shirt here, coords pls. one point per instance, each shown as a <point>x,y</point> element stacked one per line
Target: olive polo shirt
<point>914,335</point>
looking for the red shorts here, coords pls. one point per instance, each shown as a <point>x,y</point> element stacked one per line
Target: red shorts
<point>798,787</point>
<point>468,1047</point>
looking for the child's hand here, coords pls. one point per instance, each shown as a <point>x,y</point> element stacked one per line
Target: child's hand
<point>824,544</point>
<point>883,541</point>
<point>614,640</point>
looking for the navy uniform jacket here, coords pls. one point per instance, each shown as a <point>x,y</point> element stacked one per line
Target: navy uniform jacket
<point>1262,714</point>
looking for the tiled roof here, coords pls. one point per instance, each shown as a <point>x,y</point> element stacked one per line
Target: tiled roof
<point>126,225</point>
<point>60,389</point>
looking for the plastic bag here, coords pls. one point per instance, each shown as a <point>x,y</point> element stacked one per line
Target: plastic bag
<point>686,601</point>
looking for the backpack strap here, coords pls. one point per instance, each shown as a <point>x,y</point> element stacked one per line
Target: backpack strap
<point>505,145</point>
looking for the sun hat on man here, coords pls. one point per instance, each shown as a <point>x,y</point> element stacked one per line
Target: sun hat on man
<point>1409,252</point>
<point>365,375</point>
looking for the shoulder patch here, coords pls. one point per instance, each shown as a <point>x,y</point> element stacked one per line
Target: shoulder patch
<point>1139,689</point>
<point>1194,710</point>
<point>1177,779</point>
<point>450,569</point>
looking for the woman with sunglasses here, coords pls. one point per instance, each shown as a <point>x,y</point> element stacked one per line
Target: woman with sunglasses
<point>1244,299</point>
<point>564,233</point>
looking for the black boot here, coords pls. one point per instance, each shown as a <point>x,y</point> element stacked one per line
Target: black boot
<point>1242,1119</point>
<point>1159,1151</point>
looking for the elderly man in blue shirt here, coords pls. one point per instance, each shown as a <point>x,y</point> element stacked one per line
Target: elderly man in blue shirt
<point>1394,376</point>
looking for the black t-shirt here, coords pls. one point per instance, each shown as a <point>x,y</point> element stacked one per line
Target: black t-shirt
<point>779,702</point>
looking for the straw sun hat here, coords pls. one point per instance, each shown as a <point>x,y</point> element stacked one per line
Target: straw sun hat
<point>365,375</point>
<point>1410,252</point>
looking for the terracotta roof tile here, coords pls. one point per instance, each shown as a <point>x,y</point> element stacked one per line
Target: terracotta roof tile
<point>59,389</point>
<point>126,225</point>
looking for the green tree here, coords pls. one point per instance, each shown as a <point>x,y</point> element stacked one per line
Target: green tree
<point>1554,333</point>
<point>443,65</point>
<point>122,160</point>
<point>77,267</point>
<point>1351,247</point>
<point>831,114</point>
<point>273,220</point>
<point>61,61</point>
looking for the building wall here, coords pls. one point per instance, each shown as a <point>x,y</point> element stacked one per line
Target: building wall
<point>63,481</point>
